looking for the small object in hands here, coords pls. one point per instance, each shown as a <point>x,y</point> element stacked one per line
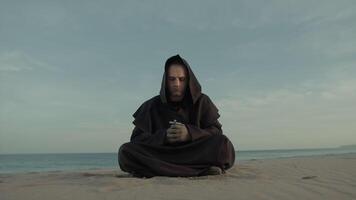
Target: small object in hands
<point>174,122</point>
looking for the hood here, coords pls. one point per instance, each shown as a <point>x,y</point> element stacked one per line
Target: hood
<point>193,86</point>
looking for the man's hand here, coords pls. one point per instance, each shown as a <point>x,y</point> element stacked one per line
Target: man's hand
<point>177,133</point>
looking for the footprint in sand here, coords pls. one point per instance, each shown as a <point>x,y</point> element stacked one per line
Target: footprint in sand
<point>309,177</point>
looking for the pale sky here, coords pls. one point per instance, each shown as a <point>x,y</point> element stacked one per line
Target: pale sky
<point>72,73</point>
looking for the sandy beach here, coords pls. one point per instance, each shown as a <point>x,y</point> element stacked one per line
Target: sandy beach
<point>316,177</point>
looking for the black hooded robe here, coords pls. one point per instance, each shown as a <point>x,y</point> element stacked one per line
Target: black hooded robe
<point>148,154</point>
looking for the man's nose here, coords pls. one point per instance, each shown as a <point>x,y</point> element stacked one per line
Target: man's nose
<point>176,83</point>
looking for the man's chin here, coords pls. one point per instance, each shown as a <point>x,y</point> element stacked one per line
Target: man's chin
<point>176,97</point>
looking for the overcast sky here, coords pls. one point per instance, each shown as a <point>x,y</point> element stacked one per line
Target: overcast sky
<point>72,73</point>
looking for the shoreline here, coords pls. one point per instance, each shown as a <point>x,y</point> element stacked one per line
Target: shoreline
<point>311,177</point>
<point>301,156</point>
<point>237,161</point>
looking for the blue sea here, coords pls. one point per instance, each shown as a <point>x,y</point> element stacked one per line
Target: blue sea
<point>15,163</point>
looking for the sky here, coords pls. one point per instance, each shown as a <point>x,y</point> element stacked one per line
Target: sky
<point>282,73</point>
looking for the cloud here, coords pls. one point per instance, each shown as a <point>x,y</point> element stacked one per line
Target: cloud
<point>345,90</point>
<point>304,96</point>
<point>319,115</point>
<point>16,61</point>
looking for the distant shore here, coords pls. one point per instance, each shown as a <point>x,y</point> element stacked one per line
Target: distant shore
<point>47,162</point>
<point>310,177</point>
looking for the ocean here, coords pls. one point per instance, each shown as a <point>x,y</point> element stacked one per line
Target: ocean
<point>15,163</point>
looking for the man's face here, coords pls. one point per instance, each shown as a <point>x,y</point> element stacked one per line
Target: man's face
<point>176,82</point>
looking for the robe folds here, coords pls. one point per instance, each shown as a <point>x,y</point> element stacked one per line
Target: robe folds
<point>148,153</point>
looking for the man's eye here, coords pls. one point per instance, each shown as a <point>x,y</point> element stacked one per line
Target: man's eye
<point>182,79</point>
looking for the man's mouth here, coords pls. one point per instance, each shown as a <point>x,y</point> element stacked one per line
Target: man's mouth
<point>177,93</point>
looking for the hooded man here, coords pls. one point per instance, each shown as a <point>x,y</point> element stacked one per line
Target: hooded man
<point>177,133</point>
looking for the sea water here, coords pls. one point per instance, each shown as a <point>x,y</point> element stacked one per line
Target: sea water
<point>14,163</point>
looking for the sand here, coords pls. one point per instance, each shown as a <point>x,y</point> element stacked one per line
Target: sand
<point>316,177</point>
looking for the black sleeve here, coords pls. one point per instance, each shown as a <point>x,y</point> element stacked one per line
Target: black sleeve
<point>197,133</point>
<point>156,138</point>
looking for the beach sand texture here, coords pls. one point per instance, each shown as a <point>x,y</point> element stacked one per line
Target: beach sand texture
<point>316,177</point>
